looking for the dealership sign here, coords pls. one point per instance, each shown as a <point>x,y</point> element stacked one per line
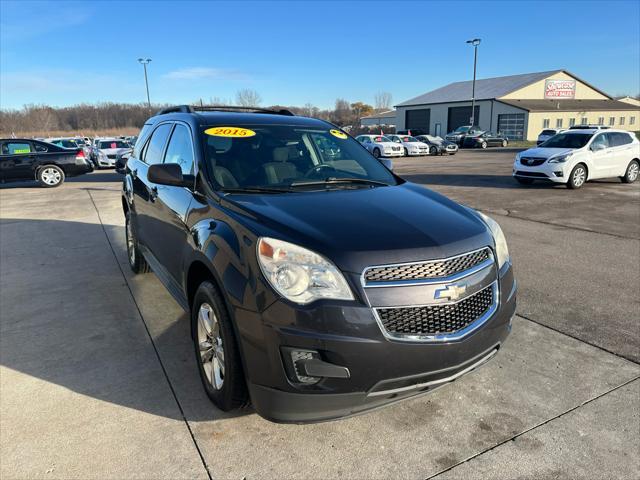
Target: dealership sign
<point>559,88</point>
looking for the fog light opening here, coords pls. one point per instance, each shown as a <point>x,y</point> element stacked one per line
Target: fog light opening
<point>299,355</point>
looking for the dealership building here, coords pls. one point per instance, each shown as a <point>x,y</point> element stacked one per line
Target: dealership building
<point>518,106</point>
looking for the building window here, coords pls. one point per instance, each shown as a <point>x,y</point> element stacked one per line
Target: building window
<point>612,121</point>
<point>621,120</point>
<point>584,121</point>
<point>559,123</point>
<point>545,123</point>
<point>572,122</point>
<point>600,120</point>
<point>632,120</point>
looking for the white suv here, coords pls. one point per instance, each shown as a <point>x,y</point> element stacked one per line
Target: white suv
<point>575,156</point>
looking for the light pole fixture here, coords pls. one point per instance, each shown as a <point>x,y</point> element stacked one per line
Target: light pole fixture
<point>475,42</point>
<point>145,62</point>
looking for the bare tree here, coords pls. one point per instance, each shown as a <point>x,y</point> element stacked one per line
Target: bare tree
<point>248,98</point>
<point>383,100</point>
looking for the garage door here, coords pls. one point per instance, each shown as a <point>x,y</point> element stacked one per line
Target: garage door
<point>459,116</point>
<point>418,121</point>
<point>511,125</point>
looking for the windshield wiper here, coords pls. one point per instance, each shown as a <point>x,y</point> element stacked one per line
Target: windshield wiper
<point>336,180</point>
<point>255,190</point>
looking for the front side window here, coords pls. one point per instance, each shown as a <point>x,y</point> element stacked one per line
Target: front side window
<point>65,143</point>
<point>287,158</point>
<point>600,140</point>
<point>180,150</point>
<point>16,148</point>
<point>155,146</point>
<point>567,140</point>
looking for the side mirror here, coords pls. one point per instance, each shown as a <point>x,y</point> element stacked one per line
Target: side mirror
<point>169,174</point>
<point>597,147</point>
<point>387,163</point>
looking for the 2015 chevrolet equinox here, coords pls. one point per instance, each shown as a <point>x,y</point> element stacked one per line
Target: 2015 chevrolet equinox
<point>320,284</point>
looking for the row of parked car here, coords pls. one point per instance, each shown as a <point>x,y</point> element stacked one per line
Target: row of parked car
<point>102,152</point>
<point>405,145</point>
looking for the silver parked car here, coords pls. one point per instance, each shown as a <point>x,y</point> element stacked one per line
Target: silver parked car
<point>411,145</point>
<point>380,146</point>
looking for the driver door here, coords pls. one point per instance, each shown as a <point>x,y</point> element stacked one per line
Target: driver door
<point>602,156</point>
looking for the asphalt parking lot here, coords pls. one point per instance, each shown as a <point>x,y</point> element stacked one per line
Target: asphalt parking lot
<point>98,378</point>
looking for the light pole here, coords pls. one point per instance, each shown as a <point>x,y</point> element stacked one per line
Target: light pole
<point>145,62</point>
<point>475,42</point>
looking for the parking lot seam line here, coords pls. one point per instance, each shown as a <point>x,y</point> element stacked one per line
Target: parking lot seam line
<point>578,339</point>
<point>510,215</point>
<point>155,349</point>
<point>541,424</point>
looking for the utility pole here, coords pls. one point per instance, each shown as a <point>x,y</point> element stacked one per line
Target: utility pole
<point>475,42</point>
<point>145,62</point>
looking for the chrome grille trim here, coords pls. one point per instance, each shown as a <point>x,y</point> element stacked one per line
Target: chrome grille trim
<point>428,280</point>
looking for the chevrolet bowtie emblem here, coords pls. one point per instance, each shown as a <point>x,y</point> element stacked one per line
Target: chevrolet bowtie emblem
<point>451,292</point>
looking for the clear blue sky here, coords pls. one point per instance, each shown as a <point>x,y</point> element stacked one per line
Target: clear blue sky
<point>63,53</point>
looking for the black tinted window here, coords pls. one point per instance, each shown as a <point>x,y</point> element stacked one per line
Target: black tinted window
<point>620,138</point>
<point>40,147</point>
<point>179,150</point>
<point>155,147</point>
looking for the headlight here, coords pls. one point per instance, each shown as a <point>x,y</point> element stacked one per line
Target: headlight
<point>502,251</point>
<point>560,158</point>
<point>300,275</point>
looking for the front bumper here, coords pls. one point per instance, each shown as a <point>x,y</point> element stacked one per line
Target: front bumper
<point>418,153</point>
<point>381,370</point>
<point>106,162</point>
<point>553,172</point>
<point>392,154</point>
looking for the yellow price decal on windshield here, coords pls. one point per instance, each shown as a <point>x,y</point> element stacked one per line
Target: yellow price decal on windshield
<point>338,133</point>
<point>233,132</point>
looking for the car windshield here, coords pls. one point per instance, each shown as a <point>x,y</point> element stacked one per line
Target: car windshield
<point>113,144</point>
<point>410,139</point>
<point>381,139</point>
<point>567,140</point>
<point>277,158</point>
<point>461,130</point>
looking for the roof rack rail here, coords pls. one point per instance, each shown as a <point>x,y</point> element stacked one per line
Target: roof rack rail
<point>176,109</point>
<point>231,108</point>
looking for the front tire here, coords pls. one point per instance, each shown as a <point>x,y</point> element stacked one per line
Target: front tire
<point>137,262</point>
<point>376,152</point>
<point>406,152</point>
<point>631,175</point>
<point>50,176</point>
<point>504,143</point>
<point>216,350</point>
<point>483,145</point>
<point>577,177</point>
<point>433,151</point>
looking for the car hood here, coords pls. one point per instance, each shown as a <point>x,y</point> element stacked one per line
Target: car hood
<point>367,226</point>
<point>545,152</point>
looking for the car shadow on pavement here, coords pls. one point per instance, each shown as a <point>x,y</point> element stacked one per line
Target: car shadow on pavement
<point>83,330</point>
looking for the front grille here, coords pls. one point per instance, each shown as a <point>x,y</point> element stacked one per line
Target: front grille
<point>531,174</point>
<point>425,270</point>
<point>532,161</point>
<point>436,319</point>
<point>395,148</point>
<point>113,157</point>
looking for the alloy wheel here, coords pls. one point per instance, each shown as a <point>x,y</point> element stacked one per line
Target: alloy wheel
<point>51,176</point>
<point>211,349</point>
<point>579,176</point>
<point>632,174</point>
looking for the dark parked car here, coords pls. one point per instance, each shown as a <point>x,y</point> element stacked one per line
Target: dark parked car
<point>459,134</point>
<point>484,140</point>
<point>438,146</point>
<point>25,159</point>
<point>319,283</point>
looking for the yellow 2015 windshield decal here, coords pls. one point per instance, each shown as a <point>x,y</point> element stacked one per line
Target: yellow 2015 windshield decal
<point>338,133</point>
<point>233,132</point>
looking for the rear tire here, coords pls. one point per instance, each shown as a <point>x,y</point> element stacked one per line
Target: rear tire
<point>50,176</point>
<point>216,350</point>
<point>631,175</point>
<point>577,177</point>
<point>524,181</point>
<point>137,262</point>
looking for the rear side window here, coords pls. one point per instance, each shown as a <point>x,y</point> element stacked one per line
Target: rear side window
<point>155,146</point>
<point>619,138</point>
<point>16,148</point>
<point>40,147</point>
<point>180,149</point>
